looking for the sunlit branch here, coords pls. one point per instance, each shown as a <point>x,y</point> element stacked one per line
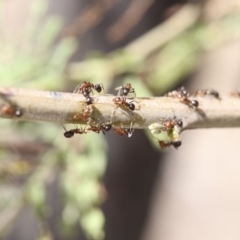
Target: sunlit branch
<point>59,107</point>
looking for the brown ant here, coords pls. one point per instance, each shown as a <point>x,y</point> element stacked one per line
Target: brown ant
<point>183,95</point>
<point>10,110</point>
<point>86,88</point>
<point>190,102</point>
<point>123,132</point>
<point>175,144</point>
<point>70,133</point>
<point>125,90</point>
<point>235,94</point>
<point>121,102</point>
<point>84,115</point>
<point>206,92</point>
<point>171,123</point>
<point>179,93</point>
<point>101,128</point>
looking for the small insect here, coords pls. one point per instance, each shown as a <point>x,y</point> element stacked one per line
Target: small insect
<point>86,88</point>
<point>123,132</point>
<point>84,115</point>
<point>175,144</point>
<point>179,93</point>
<point>9,110</point>
<point>206,92</point>
<point>235,94</point>
<point>70,133</point>
<point>101,128</point>
<point>171,123</point>
<point>183,95</point>
<point>121,102</point>
<point>190,102</point>
<point>174,94</point>
<point>125,90</point>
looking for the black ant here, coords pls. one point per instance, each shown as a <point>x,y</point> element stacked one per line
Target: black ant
<point>206,92</point>
<point>125,90</point>
<point>121,102</point>
<point>101,128</point>
<point>175,144</point>
<point>123,132</point>
<point>70,133</point>
<point>86,88</point>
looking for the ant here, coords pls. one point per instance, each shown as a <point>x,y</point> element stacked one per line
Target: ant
<point>123,132</point>
<point>183,95</point>
<point>206,92</point>
<point>175,144</point>
<point>70,133</point>
<point>100,128</point>
<point>235,93</point>
<point>121,102</point>
<point>86,88</point>
<point>125,90</point>
<point>190,102</point>
<point>9,110</point>
<point>171,123</point>
<point>179,93</point>
<point>84,115</point>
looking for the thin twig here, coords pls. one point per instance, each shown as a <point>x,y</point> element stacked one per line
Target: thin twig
<point>62,107</point>
<point>164,32</point>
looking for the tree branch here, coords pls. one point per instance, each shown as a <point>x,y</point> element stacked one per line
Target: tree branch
<point>25,104</point>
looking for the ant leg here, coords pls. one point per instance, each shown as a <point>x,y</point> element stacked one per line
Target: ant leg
<point>130,132</point>
<point>102,87</point>
<point>120,91</point>
<point>113,112</point>
<point>77,89</point>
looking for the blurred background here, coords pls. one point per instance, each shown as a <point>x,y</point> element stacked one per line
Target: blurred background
<point>111,187</point>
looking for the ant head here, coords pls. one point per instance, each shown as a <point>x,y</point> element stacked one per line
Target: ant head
<point>180,123</point>
<point>107,127</point>
<point>177,144</point>
<point>194,103</point>
<point>98,88</point>
<point>86,93</point>
<point>18,113</point>
<point>131,106</point>
<point>212,92</point>
<point>69,134</point>
<point>125,91</point>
